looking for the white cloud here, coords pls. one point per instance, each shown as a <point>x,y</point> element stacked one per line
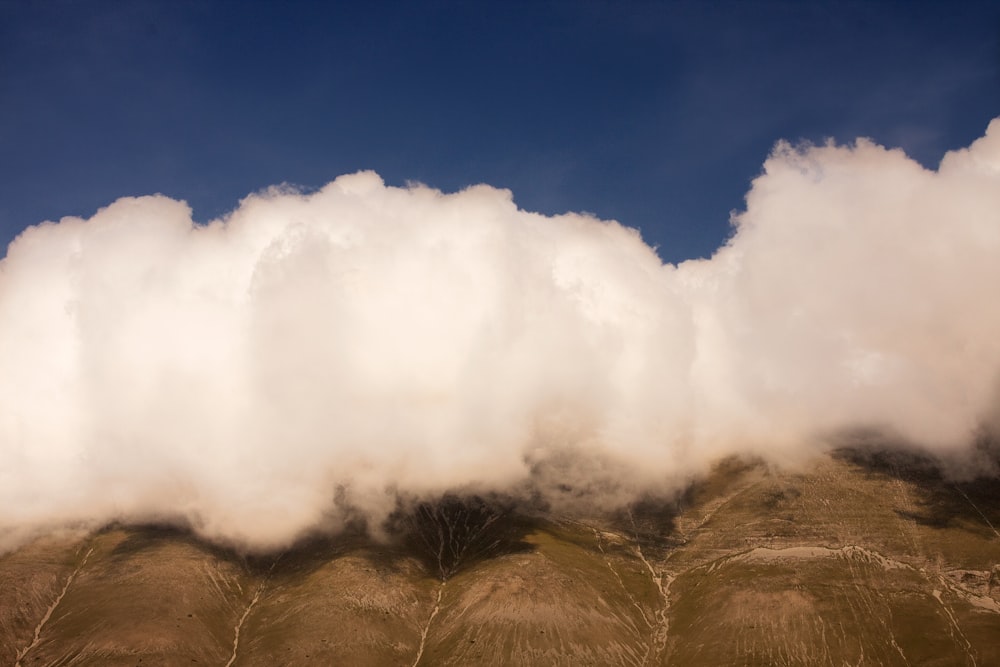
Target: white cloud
<point>364,341</point>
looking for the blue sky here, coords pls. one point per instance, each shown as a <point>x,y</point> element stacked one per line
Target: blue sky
<point>657,114</point>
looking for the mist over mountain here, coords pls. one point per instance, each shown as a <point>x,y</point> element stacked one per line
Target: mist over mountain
<point>862,557</point>
<point>314,359</point>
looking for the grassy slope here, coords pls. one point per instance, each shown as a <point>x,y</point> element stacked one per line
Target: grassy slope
<point>902,573</point>
<point>858,558</point>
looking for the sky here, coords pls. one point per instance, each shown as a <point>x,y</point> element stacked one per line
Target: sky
<point>654,114</point>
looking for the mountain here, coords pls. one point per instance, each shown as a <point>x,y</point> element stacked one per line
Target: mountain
<point>864,557</point>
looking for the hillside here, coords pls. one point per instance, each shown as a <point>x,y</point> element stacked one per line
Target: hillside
<point>863,558</point>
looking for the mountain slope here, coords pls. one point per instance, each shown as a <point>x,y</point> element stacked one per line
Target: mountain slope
<point>863,558</point>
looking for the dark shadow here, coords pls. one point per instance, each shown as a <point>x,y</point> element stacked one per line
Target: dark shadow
<point>774,498</point>
<point>154,535</point>
<point>445,536</point>
<point>941,501</point>
<point>718,482</point>
<point>651,521</point>
<point>309,554</point>
<point>455,532</point>
<point>888,458</point>
<point>302,557</point>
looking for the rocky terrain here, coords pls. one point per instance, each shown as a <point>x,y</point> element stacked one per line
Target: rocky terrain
<point>860,559</point>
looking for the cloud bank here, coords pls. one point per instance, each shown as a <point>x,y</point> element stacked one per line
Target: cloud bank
<point>311,356</point>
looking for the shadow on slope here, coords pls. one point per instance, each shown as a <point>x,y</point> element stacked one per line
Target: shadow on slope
<point>445,536</point>
<point>305,556</point>
<point>454,533</point>
<point>943,501</point>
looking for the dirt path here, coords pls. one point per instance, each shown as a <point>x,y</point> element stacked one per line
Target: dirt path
<point>246,612</point>
<point>661,625</point>
<point>48,612</point>
<point>427,625</point>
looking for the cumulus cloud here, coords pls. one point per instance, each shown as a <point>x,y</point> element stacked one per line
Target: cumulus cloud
<point>315,355</point>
